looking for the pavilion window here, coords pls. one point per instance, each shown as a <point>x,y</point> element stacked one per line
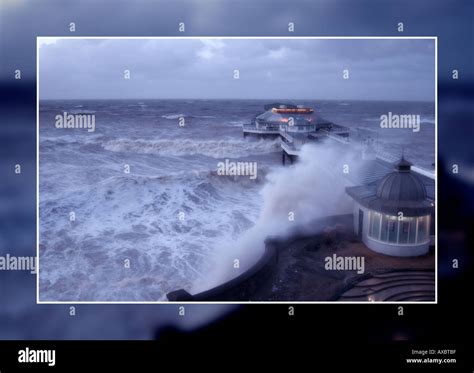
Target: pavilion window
<point>412,232</point>
<point>384,231</point>
<point>404,232</point>
<point>409,230</point>
<point>392,229</point>
<point>423,228</point>
<point>375,222</point>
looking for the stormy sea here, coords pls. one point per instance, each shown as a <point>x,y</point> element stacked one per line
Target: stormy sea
<point>136,208</point>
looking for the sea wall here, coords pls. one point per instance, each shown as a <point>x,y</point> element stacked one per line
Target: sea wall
<point>240,288</point>
<point>248,285</point>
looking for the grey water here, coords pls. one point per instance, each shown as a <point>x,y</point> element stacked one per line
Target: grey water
<point>127,242</point>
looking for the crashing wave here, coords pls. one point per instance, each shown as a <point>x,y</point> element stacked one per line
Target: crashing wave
<point>182,147</point>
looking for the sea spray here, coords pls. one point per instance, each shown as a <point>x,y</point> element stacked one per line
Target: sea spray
<point>293,198</point>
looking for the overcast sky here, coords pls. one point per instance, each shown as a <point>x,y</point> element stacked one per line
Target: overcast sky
<point>204,68</point>
<point>22,21</point>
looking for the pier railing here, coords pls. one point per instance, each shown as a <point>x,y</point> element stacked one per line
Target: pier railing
<point>388,157</point>
<point>361,136</point>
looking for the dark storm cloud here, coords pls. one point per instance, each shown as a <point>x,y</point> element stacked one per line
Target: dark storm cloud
<point>268,68</point>
<point>21,21</point>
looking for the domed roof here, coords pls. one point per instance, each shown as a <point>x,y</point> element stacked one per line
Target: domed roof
<point>398,191</point>
<point>401,184</point>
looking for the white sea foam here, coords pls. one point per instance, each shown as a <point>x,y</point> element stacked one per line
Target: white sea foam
<point>173,116</point>
<point>81,111</point>
<point>137,218</point>
<point>177,116</point>
<point>237,123</point>
<point>182,147</point>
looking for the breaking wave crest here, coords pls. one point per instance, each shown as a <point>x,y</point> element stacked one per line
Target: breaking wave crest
<point>183,147</point>
<point>177,116</point>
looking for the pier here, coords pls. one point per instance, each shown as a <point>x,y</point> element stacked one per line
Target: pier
<point>295,125</point>
<point>260,130</point>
